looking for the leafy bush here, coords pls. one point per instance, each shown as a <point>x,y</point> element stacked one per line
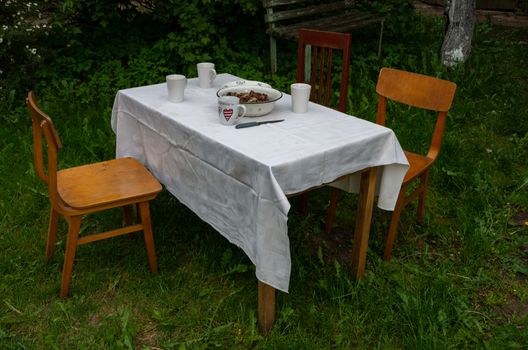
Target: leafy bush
<point>134,42</point>
<point>400,17</point>
<point>21,34</point>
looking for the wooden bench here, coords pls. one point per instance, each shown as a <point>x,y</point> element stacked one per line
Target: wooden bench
<point>286,17</point>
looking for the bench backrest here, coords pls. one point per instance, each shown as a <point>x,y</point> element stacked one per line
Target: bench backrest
<point>299,9</point>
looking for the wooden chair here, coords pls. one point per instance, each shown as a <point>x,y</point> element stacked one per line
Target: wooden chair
<point>318,72</point>
<point>319,75</point>
<point>86,189</point>
<point>422,92</point>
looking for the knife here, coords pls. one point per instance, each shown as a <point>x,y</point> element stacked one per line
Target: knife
<point>250,124</point>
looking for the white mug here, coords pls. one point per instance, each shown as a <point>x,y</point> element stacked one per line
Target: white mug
<point>300,94</point>
<point>230,110</point>
<point>206,74</point>
<point>176,86</point>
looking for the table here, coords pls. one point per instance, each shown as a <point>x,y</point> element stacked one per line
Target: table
<point>238,180</point>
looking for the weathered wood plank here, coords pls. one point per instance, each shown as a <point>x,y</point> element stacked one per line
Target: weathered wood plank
<point>341,23</point>
<point>483,4</point>
<point>273,3</point>
<point>304,12</point>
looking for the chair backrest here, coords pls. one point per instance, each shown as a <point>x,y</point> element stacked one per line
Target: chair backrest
<point>416,90</point>
<point>323,45</point>
<point>42,124</point>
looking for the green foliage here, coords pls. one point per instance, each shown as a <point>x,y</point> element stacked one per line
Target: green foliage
<point>400,17</point>
<point>143,41</point>
<point>22,31</point>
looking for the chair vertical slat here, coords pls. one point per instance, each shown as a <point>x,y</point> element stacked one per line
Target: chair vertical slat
<point>328,77</point>
<point>313,77</point>
<point>436,141</point>
<point>38,156</point>
<point>52,162</point>
<point>321,75</point>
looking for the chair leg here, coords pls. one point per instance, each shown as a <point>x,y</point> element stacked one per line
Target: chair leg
<point>393,226</point>
<point>334,195</point>
<point>74,224</point>
<point>127,216</point>
<point>149,238</point>
<point>424,182</point>
<point>303,198</point>
<point>273,55</point>
<point>52,232</point>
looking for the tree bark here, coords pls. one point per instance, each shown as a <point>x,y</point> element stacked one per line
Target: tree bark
<point>461,18</point>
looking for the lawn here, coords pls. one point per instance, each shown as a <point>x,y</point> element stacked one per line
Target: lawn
<point>459,280</point>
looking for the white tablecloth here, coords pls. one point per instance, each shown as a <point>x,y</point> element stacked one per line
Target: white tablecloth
<point>237,179</point>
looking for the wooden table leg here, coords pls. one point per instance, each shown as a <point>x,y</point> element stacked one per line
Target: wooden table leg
<point>266,307</point>
<point>266,293</point>
<point>363,219</point>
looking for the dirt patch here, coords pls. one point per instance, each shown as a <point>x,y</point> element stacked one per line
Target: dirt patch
<point>95,320</point>
<point>521,218</point>
<point>337,245</point>
<point>148,337</point>
<point>513,308</point>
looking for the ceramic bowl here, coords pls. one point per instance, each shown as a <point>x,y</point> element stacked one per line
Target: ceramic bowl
<point>255,109</point>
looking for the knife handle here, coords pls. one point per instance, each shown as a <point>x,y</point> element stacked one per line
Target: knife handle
<point>246,125</point>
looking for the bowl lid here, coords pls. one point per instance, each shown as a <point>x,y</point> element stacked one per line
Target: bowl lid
<point>245,83</point>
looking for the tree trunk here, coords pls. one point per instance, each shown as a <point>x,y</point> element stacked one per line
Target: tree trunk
<point>461,18</point>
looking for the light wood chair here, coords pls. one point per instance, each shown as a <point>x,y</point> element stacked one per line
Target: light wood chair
<point>319,76</point>
<point>422,92</point>
<point>315,59</point>
<point>87,189</point>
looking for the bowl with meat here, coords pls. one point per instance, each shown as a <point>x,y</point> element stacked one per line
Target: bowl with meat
<point>259,98</point>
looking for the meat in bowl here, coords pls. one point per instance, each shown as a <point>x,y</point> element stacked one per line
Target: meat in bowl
<point>249,97</point>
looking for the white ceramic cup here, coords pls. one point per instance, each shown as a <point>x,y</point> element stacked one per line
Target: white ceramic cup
<point>230,110</point>
<point>206,74</point>
<point>176,86</point>
<point>300,94</point>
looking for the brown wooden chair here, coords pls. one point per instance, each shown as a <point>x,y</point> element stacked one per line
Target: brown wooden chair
<point>323,44</point>
<point>86,189</point>
<point>422,92</point>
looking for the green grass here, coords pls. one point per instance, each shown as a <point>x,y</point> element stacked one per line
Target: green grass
<point>459,280</point>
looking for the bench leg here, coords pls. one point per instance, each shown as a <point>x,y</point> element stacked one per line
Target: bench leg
<point>380,38</point>
<point>273,55</point>
<point>307,64</point>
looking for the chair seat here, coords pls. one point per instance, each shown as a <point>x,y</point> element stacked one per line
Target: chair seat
<point>417,164</point>
<point>107,182</point>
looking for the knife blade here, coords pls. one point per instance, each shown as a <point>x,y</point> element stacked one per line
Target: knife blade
<point>250,124</point>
